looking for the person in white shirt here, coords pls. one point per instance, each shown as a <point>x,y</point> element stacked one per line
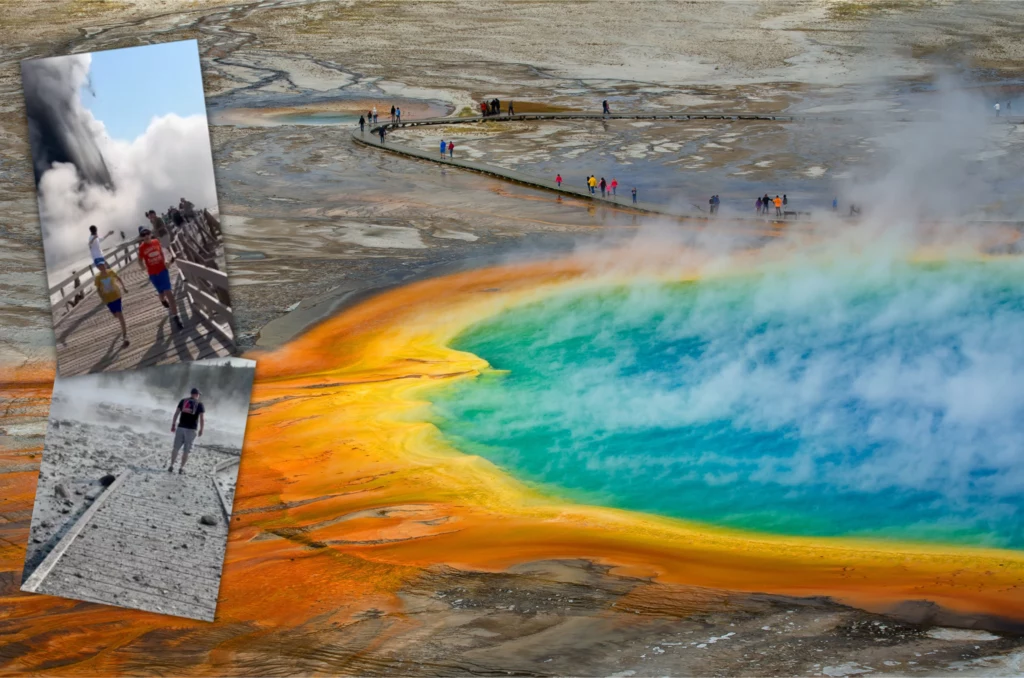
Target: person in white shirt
<point>997,110</point>
<point>94,246</point>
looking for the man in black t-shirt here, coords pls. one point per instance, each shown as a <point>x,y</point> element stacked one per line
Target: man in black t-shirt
<point>187,417</point>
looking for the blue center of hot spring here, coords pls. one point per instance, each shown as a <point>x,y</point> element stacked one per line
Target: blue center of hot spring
<point>884,403</point>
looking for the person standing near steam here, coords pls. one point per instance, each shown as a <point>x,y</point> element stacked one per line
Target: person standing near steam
<point>186,425</point>
<point>94,246</point>
<point>151,258</point>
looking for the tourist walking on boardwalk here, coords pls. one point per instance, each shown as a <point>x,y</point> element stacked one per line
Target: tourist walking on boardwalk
<point>603,186</point>
<point>187,208</point>
<point>604,108</point>
<point>758,205</point>
<point>767,202</point>
<point>785,200</point>
<point>778,206</point>
<point>109,286</point>
<point>392,113</point>
<point>374,115</point>
<point>362,125</point>
<point>151,258</point>
<point>398,115</point>
<point>592,182</point>
<point>160,231</point>
<point>381,131</point>
<point>483,109</point>
<point>511,109</point>
<point>835,204</point>
<point>444,147</point>
<point>176,216</point>
<point>189,416</point>
<point>634,195</point>
<point>558,180</point>
<point>451,150</point>
<point>997,109</point>
<point>94,245</point>
<point>615,185</point>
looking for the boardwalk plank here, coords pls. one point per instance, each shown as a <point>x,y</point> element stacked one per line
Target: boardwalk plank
<point>144,548</point>
<point>89,337</point>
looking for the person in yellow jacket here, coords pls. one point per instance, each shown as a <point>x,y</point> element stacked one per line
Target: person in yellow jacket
<point>778,206</point>
<point>592,182</point>
<point>109,286</point>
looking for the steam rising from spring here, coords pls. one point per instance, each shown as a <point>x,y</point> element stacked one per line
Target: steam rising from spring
<point>60,129</point>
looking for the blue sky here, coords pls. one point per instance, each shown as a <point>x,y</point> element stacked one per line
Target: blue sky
<point>134,85</point>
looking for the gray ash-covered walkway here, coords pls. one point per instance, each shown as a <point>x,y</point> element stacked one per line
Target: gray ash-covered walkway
<point>142,545</point>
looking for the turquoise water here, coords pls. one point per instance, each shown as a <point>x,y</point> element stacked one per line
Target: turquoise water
<point>886,403</point>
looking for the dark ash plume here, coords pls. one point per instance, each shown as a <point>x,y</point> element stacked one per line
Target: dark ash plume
<point>58,125</point>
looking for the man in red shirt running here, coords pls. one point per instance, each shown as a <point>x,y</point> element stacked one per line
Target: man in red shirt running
<point>151,258</point>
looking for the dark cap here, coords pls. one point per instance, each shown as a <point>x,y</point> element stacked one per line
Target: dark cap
<point>143,229</point>
<point>196,391</point>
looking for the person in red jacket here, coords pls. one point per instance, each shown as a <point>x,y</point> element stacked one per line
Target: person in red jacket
<point>151,258</point>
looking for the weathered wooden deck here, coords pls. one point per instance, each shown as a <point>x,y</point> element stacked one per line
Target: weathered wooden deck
<point>89,337</point>
<point>140,545</point>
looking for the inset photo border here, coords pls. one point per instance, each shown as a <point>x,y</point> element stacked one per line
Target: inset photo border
<point>136,486</point>
<point>135,262</point>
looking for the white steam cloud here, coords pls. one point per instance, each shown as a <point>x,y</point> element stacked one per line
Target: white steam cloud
<point>170,160</point>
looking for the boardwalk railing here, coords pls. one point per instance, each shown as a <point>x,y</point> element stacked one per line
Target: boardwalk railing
<point>197,245</point>
<point>69,292</point>
<point>194,246</point>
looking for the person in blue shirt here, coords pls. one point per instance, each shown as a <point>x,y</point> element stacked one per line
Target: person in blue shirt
<point>444,147</point>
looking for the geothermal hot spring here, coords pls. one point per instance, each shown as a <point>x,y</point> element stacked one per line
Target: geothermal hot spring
<point>883,401</point>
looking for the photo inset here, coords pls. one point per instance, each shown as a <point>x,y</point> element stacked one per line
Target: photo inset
<point>128,208</point>
<point>136,486</point>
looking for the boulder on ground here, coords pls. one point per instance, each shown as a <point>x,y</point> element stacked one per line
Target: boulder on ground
<point>208,520</point>
<point>107,480</point>
<point>61,491</point>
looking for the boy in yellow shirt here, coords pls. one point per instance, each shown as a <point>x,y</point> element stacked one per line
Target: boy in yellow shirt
<point>107,283</point>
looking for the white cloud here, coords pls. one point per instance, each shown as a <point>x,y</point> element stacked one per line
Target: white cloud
<point>172,159</point>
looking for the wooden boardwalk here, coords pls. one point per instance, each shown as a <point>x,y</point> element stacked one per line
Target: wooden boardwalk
<point>623,200</point>
<point>141,545</point>
<point>89,337</point>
